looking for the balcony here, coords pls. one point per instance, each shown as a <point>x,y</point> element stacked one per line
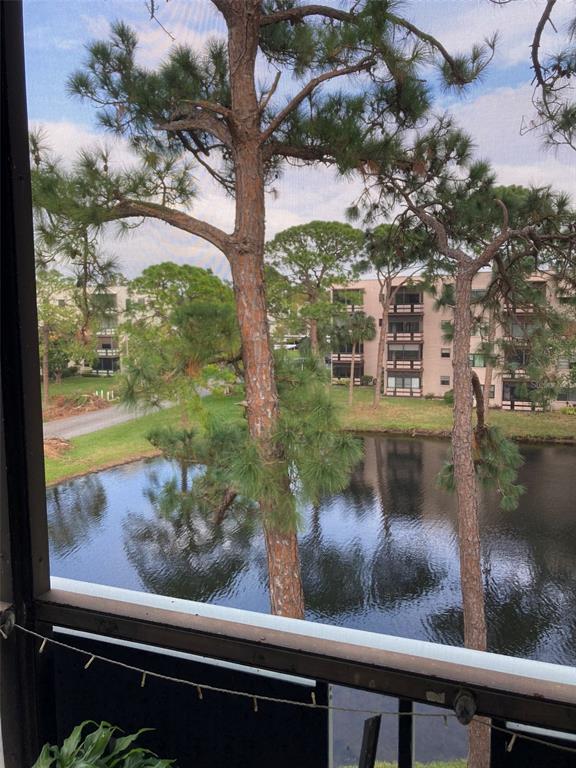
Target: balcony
<point>407,309</point>
<point>271,676</point>
<point>346,357</point>
<point>108,352</point>
<point>403,392</point>
<point>417,336</point>
<point>525,406</point>
<point>404,365</point>
<point>111,331</point>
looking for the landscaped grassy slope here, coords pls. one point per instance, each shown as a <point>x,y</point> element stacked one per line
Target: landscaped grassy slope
<point>419,416</point>
<point>83,385</point>
<point>126,442</point>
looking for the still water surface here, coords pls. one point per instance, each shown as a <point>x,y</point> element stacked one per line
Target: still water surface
<point>380,556</point>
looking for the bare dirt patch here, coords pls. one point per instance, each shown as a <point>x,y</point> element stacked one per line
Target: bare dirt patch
<point>55,447</point>
<point>62,406</point>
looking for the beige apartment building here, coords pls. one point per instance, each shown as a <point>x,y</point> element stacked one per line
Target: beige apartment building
<point>418,361</point>
<point>114,301</point>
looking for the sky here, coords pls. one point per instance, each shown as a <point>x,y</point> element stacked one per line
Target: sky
<point>492,111</point>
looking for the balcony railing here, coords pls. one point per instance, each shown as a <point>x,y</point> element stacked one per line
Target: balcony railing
<point>520,405</point>
<point>525,699</point>
<point>108,352</point>
<point>403,392</point>
<point>345,357</point>
<point>405,336</point>
<point>112,331</point>
<point>404,365</point>
<point>403,309</point>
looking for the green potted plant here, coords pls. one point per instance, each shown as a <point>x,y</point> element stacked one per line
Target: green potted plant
<point>93,745</point>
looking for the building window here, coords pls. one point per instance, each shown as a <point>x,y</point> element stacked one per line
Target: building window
<point>341,370</point>
<point>477,360</point>
<point>567,395</point>
<point>445,381</point>
<point>477,294</point>
<point>406,296</point>
<point>445,352</point>
<point>346,349</point>
<point>61,303</point>
<point>399,325</point>
<point>398,352</point>
<point>492,394</point>
<point>403,382</point>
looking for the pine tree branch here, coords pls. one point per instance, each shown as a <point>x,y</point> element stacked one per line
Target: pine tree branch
<point>313,154</point>
<point>534,49</point>
<point>127,208</point>
<point>297,14</point>
<point>271,91</point>
<point>199,120</point>
<point>437,227</point>
<point>363,65</point>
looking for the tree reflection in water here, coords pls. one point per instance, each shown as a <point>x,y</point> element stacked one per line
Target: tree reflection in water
<point>76,510</point>
<point>186,550</point>
<point>380,555</point>
<point>346,578</point>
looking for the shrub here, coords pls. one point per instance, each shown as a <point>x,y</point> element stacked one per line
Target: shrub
<point>429,396</point>
<point>569,410</point>
<point>367,381</point>
<point>449,397</point>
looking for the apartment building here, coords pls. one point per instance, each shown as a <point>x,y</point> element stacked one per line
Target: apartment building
<point>418,359</point>
<point>111,306</point>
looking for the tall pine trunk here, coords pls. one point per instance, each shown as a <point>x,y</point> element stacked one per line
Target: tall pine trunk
<point>471,581</point>
<point>351,385</point>
<point>45,365</point>
<point>380,362</point>
<point>247,265</point>
<point>314,344</point>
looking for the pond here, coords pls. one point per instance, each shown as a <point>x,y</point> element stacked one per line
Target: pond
<point>380,556</point>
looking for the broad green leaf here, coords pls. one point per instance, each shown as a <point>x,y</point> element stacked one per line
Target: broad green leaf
<point>45,758</point>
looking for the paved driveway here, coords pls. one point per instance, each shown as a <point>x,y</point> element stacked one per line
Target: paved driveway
<point>73,426</point>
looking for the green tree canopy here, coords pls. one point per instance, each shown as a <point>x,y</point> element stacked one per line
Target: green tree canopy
<point>313,257</point>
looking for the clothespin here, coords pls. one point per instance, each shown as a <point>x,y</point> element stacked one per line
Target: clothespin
<point>200,694</point>
<point>313,695</point>
<point>510,745</point>
<point>43,645</point>
<point>143,681</point>
<point>255,704</point>
<point>90,660</point>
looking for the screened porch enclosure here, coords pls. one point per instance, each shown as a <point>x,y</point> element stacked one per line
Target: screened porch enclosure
<point>219,686</point>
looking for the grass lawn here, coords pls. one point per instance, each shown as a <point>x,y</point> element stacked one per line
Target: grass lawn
<point>420,416</point>
<point>125,442</point>
<point>83,385</point>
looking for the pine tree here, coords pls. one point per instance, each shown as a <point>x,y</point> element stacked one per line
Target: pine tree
<point>206,107</point>
<point>454,197</point>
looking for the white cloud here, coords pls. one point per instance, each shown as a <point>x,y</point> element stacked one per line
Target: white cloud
<point>461,24</point>
<point>494,121</point>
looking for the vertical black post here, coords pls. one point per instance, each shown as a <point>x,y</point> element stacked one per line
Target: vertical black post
<point>370,742</point>
<point>405,734</point>
<point>24,566</point>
